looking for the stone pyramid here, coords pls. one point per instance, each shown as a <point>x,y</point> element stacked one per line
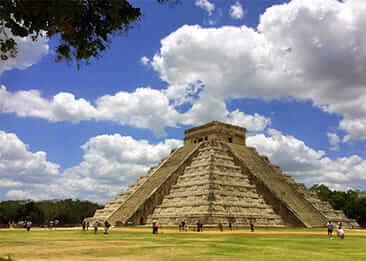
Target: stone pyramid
<point>216,178</point>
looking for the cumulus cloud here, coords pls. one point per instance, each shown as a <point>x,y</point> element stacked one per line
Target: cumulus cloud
<point>333,141</point>
<point>205,5</point>
<point>144,60</point>
<point>116,159</point>
<point>236,11</point>
<point>308,165</point>
<point>16,162</point>
<point>110,163</point>
<point>21,168</point>
<point>29,52</point>
<point>144,108</point>
<point>310,50</point>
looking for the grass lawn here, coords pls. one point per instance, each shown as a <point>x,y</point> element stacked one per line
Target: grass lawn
<point>140,244</point>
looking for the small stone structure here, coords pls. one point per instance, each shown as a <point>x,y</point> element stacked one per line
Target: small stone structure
<point>216,178</point>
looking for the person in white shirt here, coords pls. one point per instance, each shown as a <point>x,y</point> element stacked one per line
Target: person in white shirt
<point>341,233</point>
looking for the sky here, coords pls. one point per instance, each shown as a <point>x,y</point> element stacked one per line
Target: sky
<point>293,73</point>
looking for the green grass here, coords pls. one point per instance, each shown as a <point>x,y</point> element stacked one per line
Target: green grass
<point>125,244</point>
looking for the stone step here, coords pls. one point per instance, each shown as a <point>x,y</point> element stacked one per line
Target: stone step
<point>141,194</point>
<point>305,212</point>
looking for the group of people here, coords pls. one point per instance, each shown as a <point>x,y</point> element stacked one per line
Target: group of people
<point>85,226</point>
<point>183,226</point>
<point>28,225</point>
<point>340,230</point>
<point>221,226</point>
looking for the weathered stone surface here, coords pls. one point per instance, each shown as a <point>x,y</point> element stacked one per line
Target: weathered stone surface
<point>215,178</point>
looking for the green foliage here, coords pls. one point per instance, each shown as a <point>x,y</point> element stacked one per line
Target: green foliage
<point>66,211</point>
<point>353,203</point>
<point>84,27</point>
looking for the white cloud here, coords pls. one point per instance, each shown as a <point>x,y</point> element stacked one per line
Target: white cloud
<point>310,50</point>
<point>21,170</point>
<point>29,52</point>
<point>115,159</point>
<point>308,165</point>
<point>19,195</point>
<point>63,106</point>
<point>17,163</point>
<point>205,5</point>
<point>333,141</point>
<point>144,108</point>
<point>144,60</point>
<point>254,122</point>
<point>236,11</point>
<point>111,162</point>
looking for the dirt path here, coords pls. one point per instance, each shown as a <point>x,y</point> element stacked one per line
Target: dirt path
<point>353,232</point>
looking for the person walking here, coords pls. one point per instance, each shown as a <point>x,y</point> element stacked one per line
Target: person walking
<point>221,227</point>
<point>29,225</point>
<point>199,226</point>
<point>252,226</point>
<point>106,227</point>
<point>330,228</point>
<point>95,225</point>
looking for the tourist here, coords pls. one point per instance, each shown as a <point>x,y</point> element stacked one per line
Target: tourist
<point>28,225</point>
<point>87,226</point>
<point>185,226</point>
<point>181,226</point>
<point>155,227</point>
<point>330,229</point>
<point>83,224</point>
<point>95,227</point>
<point>230,226</point>
<point>198,226</point>
<point>221,227</point>
<point>106,227</point>
<point>252,226</point>
<point>56,222</point>
<point>341,233</point>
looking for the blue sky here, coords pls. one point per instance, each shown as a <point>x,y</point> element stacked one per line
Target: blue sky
<point>291,72</point>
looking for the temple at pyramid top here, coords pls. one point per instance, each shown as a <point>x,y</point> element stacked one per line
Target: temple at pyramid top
<point>215,130</point>
<point>217,179</point>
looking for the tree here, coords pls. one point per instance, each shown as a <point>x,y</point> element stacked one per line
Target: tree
<point>322,191</point>
<point>83,27</point>
<point>352,203</point>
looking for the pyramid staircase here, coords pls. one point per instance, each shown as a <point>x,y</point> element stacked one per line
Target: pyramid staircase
<point>297,209</point>
<point>336,216</point>
<point>133,205</point>
<point>213,189</point>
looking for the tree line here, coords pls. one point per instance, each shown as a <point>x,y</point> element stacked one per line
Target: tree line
<point>67,211</point>
<point>351,202</point>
